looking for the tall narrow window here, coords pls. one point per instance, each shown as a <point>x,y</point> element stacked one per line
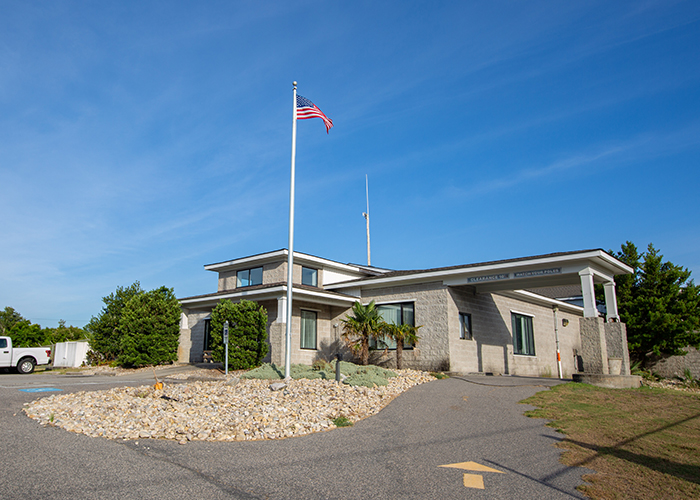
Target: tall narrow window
<point>523,335</point>
<point>249,277</point>
<point>207,334</point>
<point>465,326</point>
<point>308,329</point>
<point>309,276</point>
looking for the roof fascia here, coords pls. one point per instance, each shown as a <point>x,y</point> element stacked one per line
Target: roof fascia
<point>272,293</point>
<point>609,263</point>
<point>299,257</point>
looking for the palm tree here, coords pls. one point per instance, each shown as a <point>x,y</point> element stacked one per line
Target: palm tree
<point>360,327</point>
<point>400,334</point>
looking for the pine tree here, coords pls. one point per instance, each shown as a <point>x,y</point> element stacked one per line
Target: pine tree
<point>660,304</point>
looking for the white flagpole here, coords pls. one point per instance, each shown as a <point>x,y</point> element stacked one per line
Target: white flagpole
<point>366,215</point>
<point>290,256</point>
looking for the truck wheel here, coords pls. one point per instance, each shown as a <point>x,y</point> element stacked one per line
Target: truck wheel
<point>25,365</point>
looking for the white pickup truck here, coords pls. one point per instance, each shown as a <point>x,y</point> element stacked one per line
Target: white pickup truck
<point>22,358</point>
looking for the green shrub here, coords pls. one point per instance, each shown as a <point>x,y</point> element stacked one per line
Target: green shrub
<point>264,372</point>
<point>247,333</point>
<point>103,331</point>
<point>150,329</point>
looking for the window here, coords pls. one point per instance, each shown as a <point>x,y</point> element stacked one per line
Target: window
<point>465,326</point>
<point>397,314</point>
<point>523,337</point>
<point>309,276</point>
<point>3,343</point>
<point>308,329</point>
<point>249,277</point>
<point>207,335</point>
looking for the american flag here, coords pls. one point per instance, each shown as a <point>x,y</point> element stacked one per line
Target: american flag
<point>307,109</point>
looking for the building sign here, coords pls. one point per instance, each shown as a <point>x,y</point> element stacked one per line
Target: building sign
<point>539,272</point>
<point>490,277</point>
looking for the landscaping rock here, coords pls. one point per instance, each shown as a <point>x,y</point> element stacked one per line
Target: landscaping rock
<point>218,411</point>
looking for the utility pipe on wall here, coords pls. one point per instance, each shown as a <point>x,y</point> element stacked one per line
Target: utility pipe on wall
<point>556,338</point>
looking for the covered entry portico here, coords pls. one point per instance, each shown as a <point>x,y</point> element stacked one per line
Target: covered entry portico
<point>586,268</point>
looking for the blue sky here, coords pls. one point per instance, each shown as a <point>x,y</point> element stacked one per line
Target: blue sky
<point>143,140</point>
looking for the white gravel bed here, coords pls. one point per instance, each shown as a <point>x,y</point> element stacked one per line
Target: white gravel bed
<point>217,411</point>
<point>677,385</point>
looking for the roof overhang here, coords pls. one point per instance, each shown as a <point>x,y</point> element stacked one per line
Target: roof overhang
<point>517,274</point>
<point>299,258</point>
<point>271,293</point>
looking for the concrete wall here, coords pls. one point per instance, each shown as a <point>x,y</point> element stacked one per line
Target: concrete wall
<point>675,366</point>
<point>491,349</point>
<point>430,310</point>
<point>192,338</point>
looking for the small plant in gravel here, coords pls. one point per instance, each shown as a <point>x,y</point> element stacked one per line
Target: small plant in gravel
<point>689,380</point>
<point>342,422</point>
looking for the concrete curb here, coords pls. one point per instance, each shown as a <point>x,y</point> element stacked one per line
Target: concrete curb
<point>609,381</point>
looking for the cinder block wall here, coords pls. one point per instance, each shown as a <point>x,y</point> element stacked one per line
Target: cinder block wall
<point>491,349</point>
<point>191,346</point>
<point>430,310</point>
<point>675,366</point>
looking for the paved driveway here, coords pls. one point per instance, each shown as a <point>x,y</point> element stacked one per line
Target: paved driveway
<point>397,454</point>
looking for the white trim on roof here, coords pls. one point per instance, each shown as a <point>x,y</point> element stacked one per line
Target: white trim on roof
<point>298,258</point>
<point>269,294</point>
<point>613,266</point>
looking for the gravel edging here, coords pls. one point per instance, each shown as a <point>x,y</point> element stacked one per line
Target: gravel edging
<point>225,410</point>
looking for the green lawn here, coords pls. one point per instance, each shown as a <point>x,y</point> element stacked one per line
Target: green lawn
<point>643,443</point>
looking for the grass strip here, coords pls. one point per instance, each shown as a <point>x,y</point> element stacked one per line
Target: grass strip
<point>643,443</point>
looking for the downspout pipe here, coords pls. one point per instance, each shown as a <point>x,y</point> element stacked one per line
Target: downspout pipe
<point>556,338</point>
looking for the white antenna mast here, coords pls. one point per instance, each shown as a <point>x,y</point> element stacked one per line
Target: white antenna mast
<point>366,216</point>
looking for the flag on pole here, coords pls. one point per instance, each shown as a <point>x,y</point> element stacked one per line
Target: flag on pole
<point>307,109</point>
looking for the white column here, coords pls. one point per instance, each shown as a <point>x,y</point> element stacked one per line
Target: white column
<point>184,321</point>
<point>611,301</point>
<point>589,308</point>
<point>281,310</point>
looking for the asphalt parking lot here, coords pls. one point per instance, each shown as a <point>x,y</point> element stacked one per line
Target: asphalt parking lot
<point>472,424</point>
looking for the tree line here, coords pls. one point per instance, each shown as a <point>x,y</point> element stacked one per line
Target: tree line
<point>24,333</point>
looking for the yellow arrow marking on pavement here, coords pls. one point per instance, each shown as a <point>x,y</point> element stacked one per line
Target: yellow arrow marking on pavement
<point>473,480</point>
<point>473,466</point>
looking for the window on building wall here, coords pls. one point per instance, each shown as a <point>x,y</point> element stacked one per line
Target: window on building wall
<point>249,277</point>
<point>308,329</point>
<point>309,276</point>
<point>207,335</point>
<point>398,314</point>
<point>465,326</point>
<point>523,335</point>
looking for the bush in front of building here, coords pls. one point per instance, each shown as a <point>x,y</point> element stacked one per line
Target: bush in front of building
<point>150,329</point>
<point>247,334</point>
<point>135,328</point>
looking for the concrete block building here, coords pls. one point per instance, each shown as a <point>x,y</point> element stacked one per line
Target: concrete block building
<point>500,317</point>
